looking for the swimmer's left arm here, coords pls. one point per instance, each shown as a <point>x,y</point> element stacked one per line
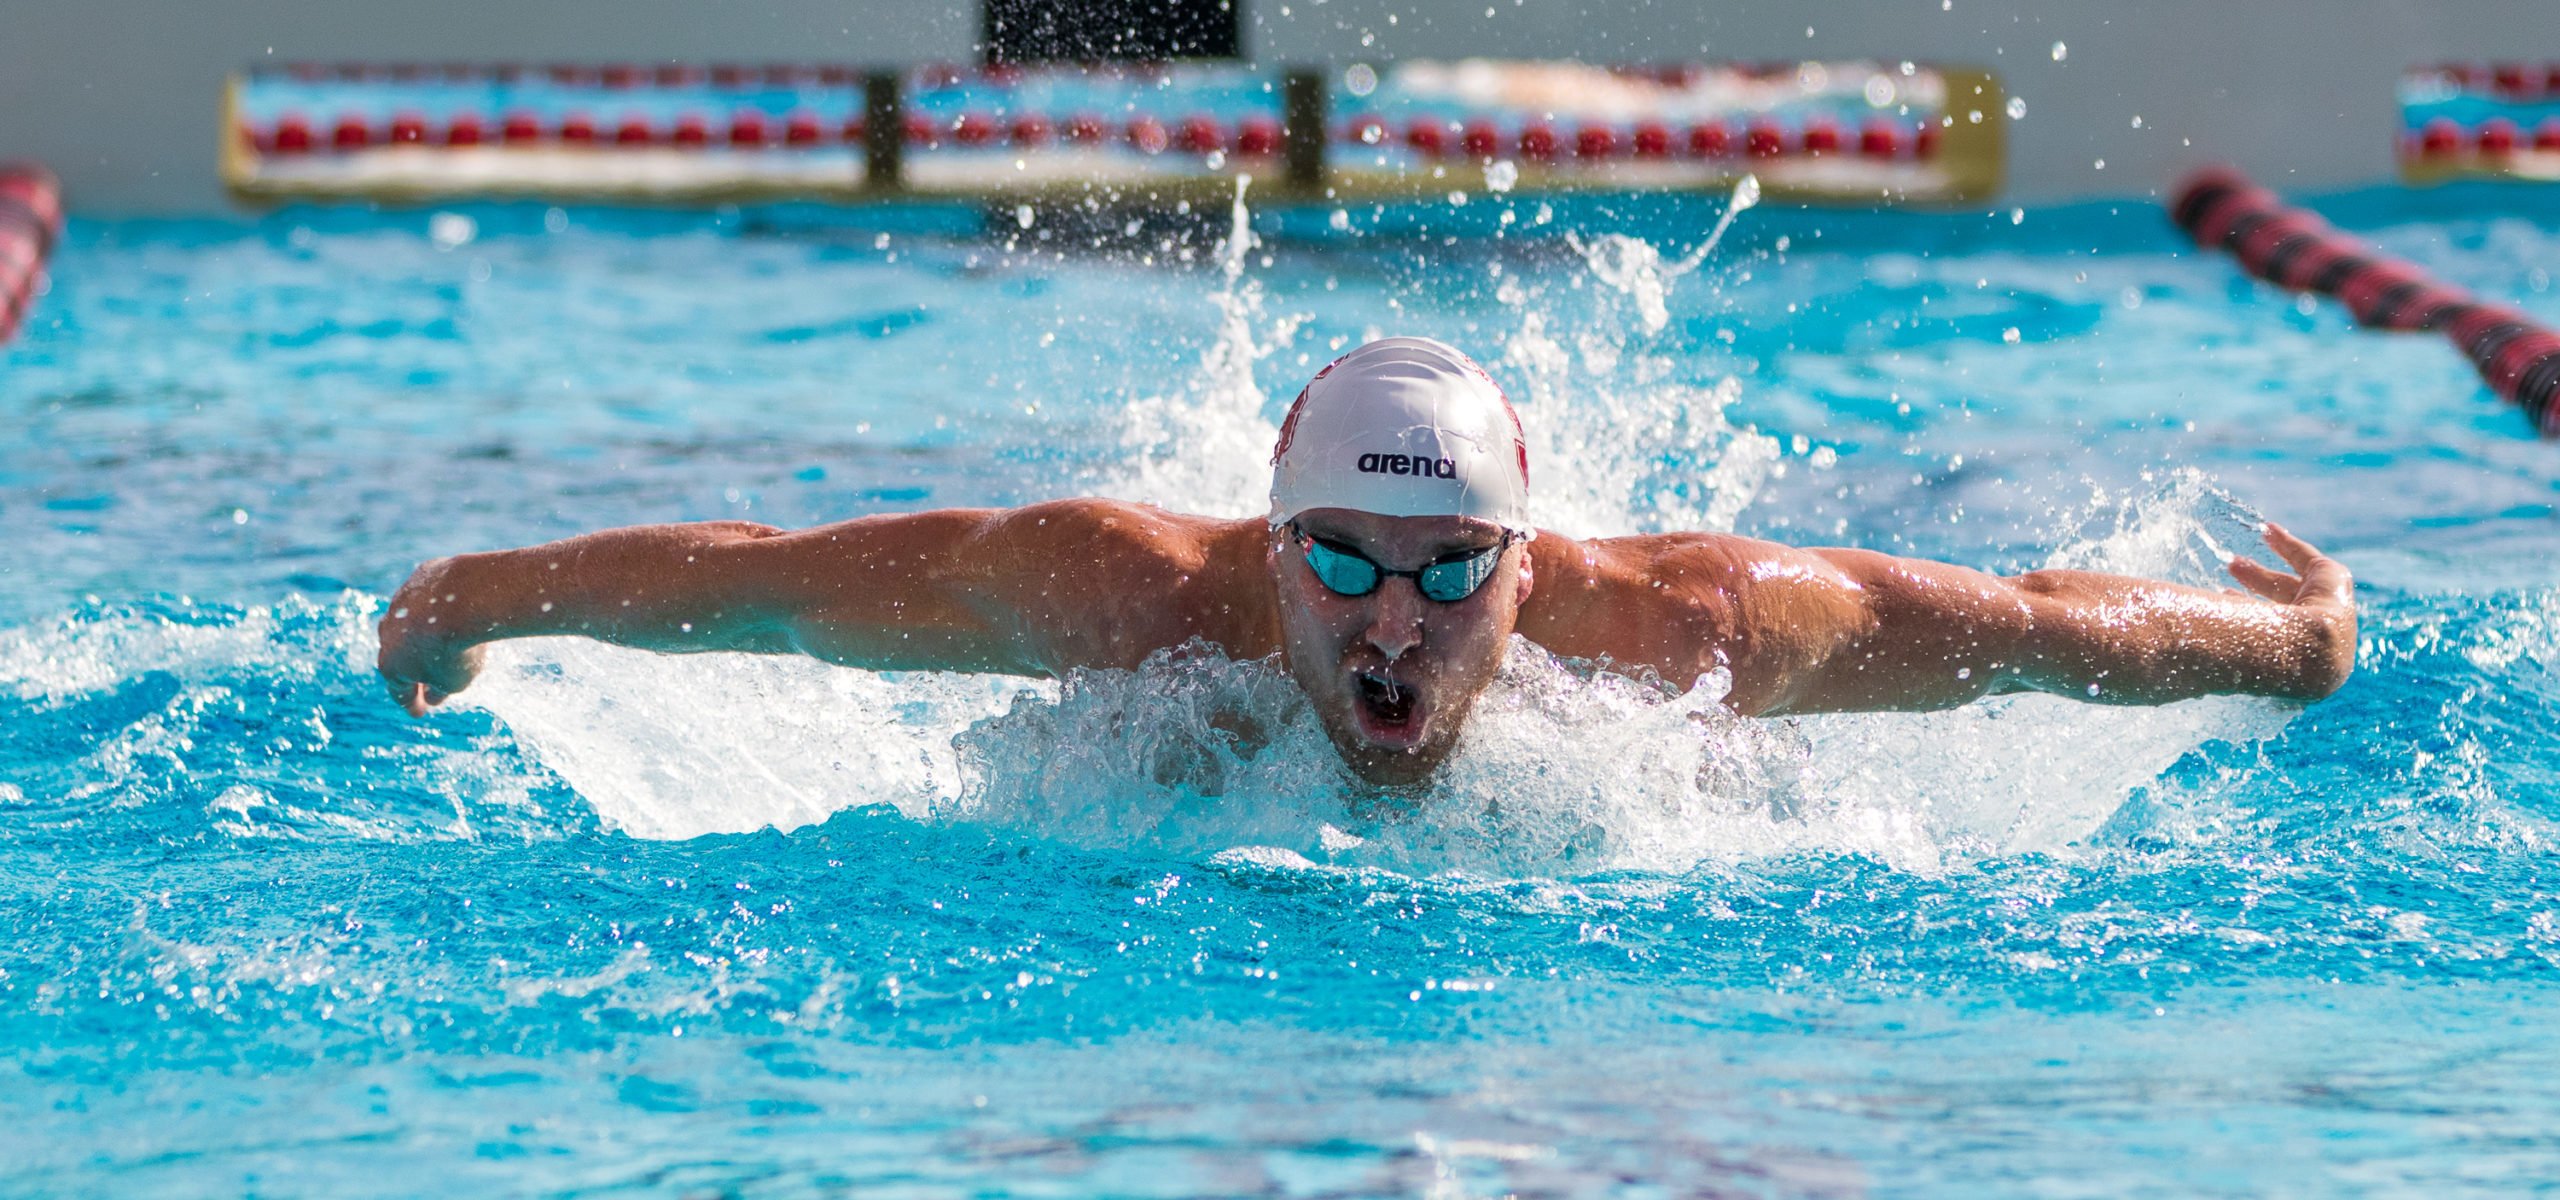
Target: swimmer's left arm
<point>1925,635</point>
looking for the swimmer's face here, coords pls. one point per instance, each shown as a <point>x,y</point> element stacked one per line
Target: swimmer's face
<point>1393,674</point>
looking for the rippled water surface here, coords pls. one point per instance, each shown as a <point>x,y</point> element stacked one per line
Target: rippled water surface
<point>717,925</point>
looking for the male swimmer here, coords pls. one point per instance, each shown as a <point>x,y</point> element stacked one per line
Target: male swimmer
<point>1394,566</point>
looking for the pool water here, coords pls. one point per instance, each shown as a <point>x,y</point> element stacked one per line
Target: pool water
<point>714,925</point>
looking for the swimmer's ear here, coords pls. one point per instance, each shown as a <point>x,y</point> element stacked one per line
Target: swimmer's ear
<point>1528,573</point>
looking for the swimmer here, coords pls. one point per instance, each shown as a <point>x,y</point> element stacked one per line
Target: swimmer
<point>1395,564</point>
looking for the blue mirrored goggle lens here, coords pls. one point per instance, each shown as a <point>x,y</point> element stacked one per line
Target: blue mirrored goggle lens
<point>1342,574</point>
<point>1348,574</point>
<point>1448,582</point>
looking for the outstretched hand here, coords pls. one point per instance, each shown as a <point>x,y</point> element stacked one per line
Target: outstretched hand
<point>2318,582</point>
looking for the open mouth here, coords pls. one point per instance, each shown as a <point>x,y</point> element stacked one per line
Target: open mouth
<point>1389,711</point>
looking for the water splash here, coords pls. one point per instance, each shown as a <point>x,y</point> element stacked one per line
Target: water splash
<point>1621,437</point>
<point>1564,771</point>
<point>197,718</point>
<point>659,746</point>
<point>1638,269</point>
<point>1207,449</point>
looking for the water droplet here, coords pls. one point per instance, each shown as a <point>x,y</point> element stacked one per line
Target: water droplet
<point>1361,79</point>
<point>2060,52</point>
<point>1746,193</point>
<point>2017,108</point>
<point>448,230</point>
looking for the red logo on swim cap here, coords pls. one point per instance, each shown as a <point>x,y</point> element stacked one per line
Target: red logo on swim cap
<point>1519,436</point>
<point>1289,424</point>
<point>1289,427</point>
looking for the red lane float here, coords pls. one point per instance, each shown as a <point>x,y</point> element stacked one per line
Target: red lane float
<point>30,220</point>
<point>2476,121</point>
<point>294,134</point>
<point>2297,251</point>
<point>727,131</point>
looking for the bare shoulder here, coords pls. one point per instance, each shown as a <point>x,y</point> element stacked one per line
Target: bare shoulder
<point>1102,582</point>
<point>1575,574</point>
<point>1683,604</point>
<point>1097,540</point>
<point>1085,536</point>
<point>1128,524</point>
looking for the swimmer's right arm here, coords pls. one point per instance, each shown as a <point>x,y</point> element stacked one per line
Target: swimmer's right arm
<point>955,589</point>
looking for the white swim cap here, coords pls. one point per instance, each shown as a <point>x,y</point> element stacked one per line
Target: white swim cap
<point>1403,427</point>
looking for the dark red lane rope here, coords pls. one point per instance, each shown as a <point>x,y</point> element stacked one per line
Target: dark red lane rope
<point>2297,251</point>
<point>30,219</point>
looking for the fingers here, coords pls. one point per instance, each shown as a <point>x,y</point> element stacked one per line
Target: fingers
<point>2296,553</point>
<point>2264,581</point>
<point>2259,576</point>
<point>415,698</point>
<point>2323,579</point>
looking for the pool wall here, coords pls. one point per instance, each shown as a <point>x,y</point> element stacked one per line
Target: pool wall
<point>119,96</point>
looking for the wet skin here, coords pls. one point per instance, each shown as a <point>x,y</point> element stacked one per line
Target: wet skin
<point>1393,674</point>
<point>1099,583</point>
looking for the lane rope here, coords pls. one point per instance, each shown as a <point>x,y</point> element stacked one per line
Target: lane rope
<point>2294,249</point>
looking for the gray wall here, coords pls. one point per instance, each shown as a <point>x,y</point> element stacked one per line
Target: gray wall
<point>118,95</point>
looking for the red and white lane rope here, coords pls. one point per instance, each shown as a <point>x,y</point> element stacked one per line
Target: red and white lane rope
<point>2295,250</point>
<point>292,134</point>
<point>1540,141</point>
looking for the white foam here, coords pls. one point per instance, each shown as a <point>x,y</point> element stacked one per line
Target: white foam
<point>1563,772</point>
<point>82,654</point>
<point>680,746</point>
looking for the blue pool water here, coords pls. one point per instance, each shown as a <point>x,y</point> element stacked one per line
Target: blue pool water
<point>712,925</point>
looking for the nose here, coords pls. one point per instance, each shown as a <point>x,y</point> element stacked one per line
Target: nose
<point>1395,618</point>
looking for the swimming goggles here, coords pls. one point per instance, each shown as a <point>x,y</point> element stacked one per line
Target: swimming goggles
<point>1347,572</point>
